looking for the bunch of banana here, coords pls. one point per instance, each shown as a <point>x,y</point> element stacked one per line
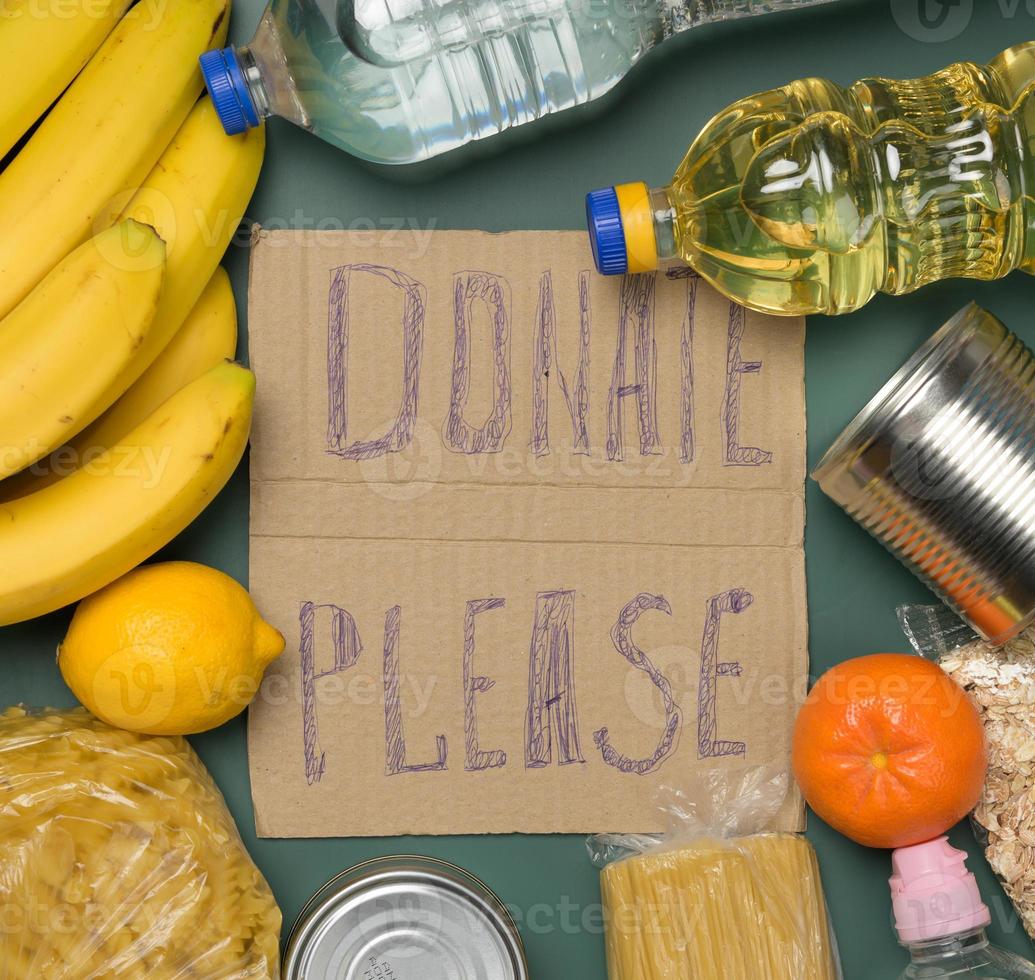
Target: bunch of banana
<point>121,416</point>
<point>207,338</point>
<point>103,137</point>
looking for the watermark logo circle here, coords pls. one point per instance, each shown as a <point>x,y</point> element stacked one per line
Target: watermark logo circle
<point>407,925</point>
<point>135,687</point>
<point>642,697</point>
<point>409,473</point>
<point>127,250</point>
<point>932,21</point>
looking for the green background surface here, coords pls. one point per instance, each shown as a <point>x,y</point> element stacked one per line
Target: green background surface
<point>539,182</point>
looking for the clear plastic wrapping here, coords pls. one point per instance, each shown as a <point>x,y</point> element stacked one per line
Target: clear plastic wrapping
<point>716,898</point>
<point>120,860</point>
<point>1001,680</point>
<point>934,631</point>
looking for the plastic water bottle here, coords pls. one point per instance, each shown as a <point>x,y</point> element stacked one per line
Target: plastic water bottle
<point>941,920</point>
<point>399,81</point>
<point>810,198</point>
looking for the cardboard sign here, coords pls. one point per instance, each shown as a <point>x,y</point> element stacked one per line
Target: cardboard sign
<point>534,536</point>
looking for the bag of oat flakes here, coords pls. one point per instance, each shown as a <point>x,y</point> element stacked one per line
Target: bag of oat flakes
<point>1001,681</point>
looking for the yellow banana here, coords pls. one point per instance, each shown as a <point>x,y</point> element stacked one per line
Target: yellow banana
<point>44,45</point>
<point>195,198</point>
<point>81,533</point>
<point>62,348</point>
<point>207,338</point>
<point>103,137</point>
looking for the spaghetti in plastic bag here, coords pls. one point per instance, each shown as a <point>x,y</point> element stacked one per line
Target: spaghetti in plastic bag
<point>119,860</point>
<point>716,898</point>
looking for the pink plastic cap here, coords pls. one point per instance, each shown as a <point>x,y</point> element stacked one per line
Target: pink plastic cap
<point>933,894</point>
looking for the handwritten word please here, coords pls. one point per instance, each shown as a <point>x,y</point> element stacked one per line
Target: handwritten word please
<point>552,731</point>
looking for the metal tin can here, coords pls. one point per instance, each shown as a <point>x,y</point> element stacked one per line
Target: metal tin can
<point>405,918</point>
<point>940,467</point>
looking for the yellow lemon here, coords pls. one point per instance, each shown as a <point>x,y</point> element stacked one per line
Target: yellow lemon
<point>169,649</point>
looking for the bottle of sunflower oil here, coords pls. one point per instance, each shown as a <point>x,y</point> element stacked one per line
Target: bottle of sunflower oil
<point>810,198</point>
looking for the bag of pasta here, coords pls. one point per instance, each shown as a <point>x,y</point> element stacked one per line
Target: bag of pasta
<point>716,898</point>
<point>119,860</point>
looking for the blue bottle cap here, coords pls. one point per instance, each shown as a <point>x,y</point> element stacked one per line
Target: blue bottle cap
<point>229,90</point>
<point>606,234</point>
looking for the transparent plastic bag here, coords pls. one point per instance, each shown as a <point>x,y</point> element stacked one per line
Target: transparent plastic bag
<point>934,631</point>
<point>119,859</point>
<point>1001,681</point>
<point>716,897</point>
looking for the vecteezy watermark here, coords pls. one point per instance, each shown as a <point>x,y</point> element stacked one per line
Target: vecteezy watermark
<point>149,12</point>
<point>407,234</point>
<point>426,461</point>
<point>935,21</point>
<point>144,464</point>
<point>141,685</point>
<point>363,689</point>
<point>932,21</point>
<point>410,473</point>
<point>218,228</point>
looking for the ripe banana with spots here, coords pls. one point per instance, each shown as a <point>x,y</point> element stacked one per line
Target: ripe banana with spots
<point>71,339</point>
<point>207,338</point>
<point>44,45</point>
<point>102,139</point>
<point>195,198</point>
<point>81,533</point>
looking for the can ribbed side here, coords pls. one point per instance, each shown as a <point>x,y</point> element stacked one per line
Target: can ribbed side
<point>954,494</point>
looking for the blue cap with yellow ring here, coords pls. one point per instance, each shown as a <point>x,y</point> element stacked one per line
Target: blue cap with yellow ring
<point>621,229</point>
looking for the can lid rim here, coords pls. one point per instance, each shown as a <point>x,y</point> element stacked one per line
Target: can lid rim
<point>381,868</point>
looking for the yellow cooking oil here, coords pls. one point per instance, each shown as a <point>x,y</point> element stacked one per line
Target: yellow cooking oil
<point>812,197</point>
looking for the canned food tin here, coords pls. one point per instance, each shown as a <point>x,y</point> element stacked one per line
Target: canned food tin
<point>940,467</point>
<point>405,918</point>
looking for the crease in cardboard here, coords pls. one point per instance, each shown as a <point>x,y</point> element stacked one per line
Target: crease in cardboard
<point>574,541</point>
<point>540,485</point>
<point>534,536</point>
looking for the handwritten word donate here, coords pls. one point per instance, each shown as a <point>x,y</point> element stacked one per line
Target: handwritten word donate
<point>632,367</point>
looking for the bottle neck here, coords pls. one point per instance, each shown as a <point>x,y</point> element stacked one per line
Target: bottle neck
<point>254,81</point>
<point>268,76</point>
<point>936,951</point>
<point>663,217</point>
